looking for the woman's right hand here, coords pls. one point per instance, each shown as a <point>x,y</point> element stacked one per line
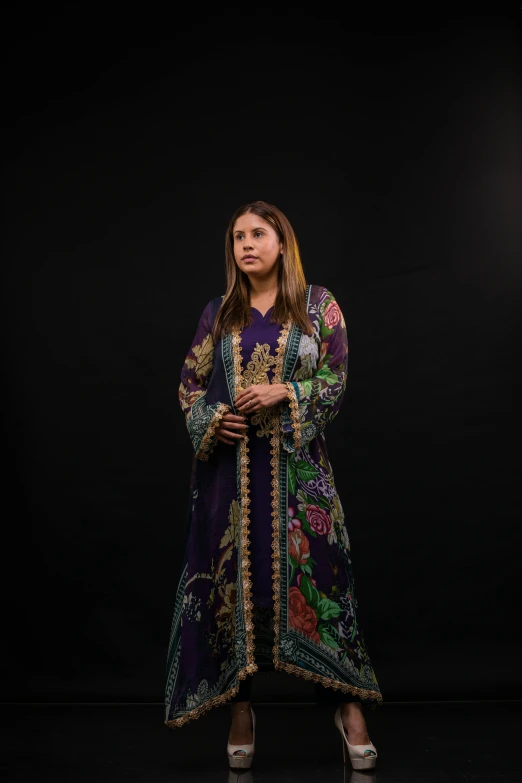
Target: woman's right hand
<point>231,428</point>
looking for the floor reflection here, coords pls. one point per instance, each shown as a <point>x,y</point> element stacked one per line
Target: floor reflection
<point>350,776</point>
<point>295,744</point>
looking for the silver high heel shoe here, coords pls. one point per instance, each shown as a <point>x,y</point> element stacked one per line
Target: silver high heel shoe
<point>361,756</point>
<point>241,756</point>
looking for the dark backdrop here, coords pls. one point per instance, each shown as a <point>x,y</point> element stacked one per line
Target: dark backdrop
<point>393,146</point>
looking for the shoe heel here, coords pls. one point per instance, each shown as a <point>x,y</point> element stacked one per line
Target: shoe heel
<point>356,754</point>
<point>243,761</point>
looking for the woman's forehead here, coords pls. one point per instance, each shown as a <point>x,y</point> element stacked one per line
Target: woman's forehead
<point>249,222</point>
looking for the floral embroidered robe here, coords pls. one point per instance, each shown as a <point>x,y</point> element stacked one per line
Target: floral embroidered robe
<point>215,641</point>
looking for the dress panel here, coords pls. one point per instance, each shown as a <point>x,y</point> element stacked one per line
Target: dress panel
<point>258,349</point>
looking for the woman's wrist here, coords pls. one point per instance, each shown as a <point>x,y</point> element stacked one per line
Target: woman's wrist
<point>283,392</point>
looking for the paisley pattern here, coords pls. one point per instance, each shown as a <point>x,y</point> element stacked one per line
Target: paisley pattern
<point>312,625</point>
<point>257,368</point>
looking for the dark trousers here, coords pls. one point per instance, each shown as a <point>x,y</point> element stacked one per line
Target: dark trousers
<point>322,695</point>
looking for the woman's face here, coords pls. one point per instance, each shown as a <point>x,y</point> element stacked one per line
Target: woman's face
<point>256,245</point>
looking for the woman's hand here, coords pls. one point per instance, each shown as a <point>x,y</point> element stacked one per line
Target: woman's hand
<point>231,428</point>
<point>260,395</point>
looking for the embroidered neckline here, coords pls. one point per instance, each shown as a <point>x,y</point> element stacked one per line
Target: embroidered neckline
<point>260,313</point>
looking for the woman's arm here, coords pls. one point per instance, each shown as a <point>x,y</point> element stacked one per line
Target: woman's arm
<point>314,402</point>
<point>202,420</point>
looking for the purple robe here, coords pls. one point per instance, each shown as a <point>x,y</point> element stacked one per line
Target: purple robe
<point>267,577</point>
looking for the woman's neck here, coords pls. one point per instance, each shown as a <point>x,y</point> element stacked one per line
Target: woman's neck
<point>264,288</point>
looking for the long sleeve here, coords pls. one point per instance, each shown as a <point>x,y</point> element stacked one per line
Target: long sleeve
<point>314,402</point>
<point>201,419</point>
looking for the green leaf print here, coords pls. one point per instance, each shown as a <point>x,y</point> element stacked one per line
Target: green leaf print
<point>305,525</point>
<point>327,374</point>
<point>291,476</point>
<point>327,609</point>
<point>305,472</point>
<point>310,592</point>
<point>325,332</point>
<point>326,637</point>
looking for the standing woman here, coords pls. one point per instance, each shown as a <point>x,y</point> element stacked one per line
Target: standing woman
<point>266,581</point>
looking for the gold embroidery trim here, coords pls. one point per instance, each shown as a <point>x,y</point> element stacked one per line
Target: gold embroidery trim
<point>257,368</point>
<point>280,351</point>
<point>257,373</point>
<point>216,701</point>
<point>328,682</point>
<point>275,446</point>
<point>205,446</point>
<point>246,574</point>
<point>294,412</point>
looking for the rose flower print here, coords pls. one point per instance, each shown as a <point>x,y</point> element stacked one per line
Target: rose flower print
<point>332,315</point>
<point>318,520</point>
<point>301,616</point>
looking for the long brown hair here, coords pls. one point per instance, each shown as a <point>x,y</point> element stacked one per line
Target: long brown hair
<point>234,312</point>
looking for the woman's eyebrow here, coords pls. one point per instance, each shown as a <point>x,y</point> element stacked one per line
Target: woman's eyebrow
<point>259,228</point>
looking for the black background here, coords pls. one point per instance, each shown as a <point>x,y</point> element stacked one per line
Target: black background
<point>393,145</point>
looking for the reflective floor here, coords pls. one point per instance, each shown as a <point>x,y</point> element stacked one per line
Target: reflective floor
<point>434,742</point>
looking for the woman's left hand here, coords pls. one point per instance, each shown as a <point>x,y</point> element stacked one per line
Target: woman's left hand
<point>260,395</point>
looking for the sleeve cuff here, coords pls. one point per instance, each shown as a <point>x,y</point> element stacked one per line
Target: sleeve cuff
<point>292,422</point>
<point>209,438</point>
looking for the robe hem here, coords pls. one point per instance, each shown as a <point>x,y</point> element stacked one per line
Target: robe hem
<point>328,682</point>
<point>289,668</point>
<point>215,701</point>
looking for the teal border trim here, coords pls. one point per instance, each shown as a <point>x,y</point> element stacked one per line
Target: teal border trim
<point>291,356</point>
<point>283,545</point>
<point>175,637</point>
<point>296,389</point>
<point>227,354</point>
<point>292,345</point>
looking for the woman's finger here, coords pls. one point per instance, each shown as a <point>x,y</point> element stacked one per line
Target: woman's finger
<point>229,417</point>
<point>242,392</point>
<point>236,425</point>
<point>229,434</point>
<point>226,435</point>
<point>246,405</point>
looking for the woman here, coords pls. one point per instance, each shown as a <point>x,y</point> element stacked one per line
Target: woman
<point>266,580</point>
